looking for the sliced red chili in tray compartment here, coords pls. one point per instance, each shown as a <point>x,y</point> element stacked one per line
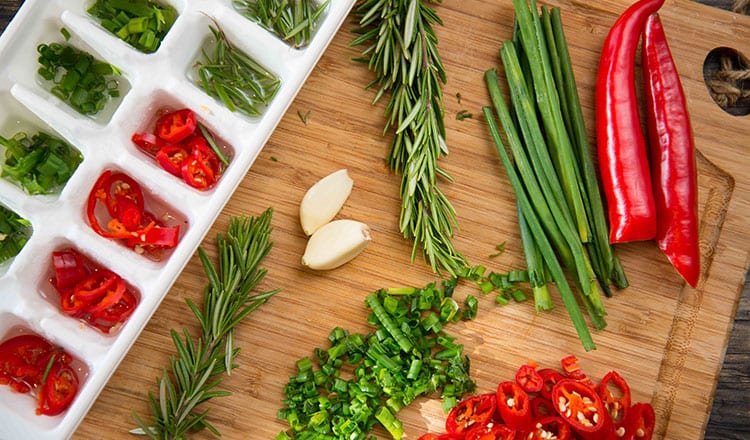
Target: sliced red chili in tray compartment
<point>183,147</point>
<point>31,364</point>
<point>96,295</point>
<point>129,220</point>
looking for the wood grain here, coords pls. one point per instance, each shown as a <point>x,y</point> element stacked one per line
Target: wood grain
<point>666,339</point>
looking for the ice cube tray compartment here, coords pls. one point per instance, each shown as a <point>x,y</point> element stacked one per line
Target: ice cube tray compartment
<point>165,79</point>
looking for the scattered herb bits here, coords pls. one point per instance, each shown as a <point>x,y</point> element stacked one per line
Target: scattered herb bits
<point>78,78</point>
<point>294,22</point>
<point>14,233</point>
<point>231,76</point>
<point>40,163</point>
<point>141,23</point>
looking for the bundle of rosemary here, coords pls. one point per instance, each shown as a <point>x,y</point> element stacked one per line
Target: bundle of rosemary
<point>292,21</point>
<point>401,50</point>
<point>197,367</point>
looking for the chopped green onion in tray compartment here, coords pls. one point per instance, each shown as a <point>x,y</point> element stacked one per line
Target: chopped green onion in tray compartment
<point>228,74</point>
<point>78,78</point>
<point>14,233</point>
<point>142,24</point>
<point>40,163</point>
<point>293,22</point>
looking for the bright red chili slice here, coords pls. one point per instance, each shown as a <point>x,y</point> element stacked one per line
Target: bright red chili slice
<point>116,313</point>
<point>171,158</point>
<point>640,421</point>
<point>111,297</point>
<point>541,407</point>
<point>69,267</point>
<point>573,370</point>
<point>199,170</point>
<point>580,406</point>
<point>148,142</point>
<point>615,394</point>
<point>72,304</point>
<point>550,427</point>
<point>23,360</point>
<point>157,237</point>
<point>529,379</point>
<point>470,412</point>
<point>549,378</point>
<point>491,431</point>
<point>176,126</point>
<point>58,390</point>
<point>95,285</point>
<point>514,405</point>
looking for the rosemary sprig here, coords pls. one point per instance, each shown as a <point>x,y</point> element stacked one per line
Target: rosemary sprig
<point>292,21</point>
<point>195,371</point>
<point>400,48</point>
<point>233,77</point>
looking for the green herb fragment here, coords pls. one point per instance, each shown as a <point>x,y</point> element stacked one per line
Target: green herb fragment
<point>400,48</point>
<point>196,369</point>
<point>142,24</point>
<point>463,114</point>
<point>14,233</point>
<point>79,79</point>
<point>231,76</point>
<point>407,355</point>
<point>41,164</point>
<point>304,117</point>
<point>292,21</point>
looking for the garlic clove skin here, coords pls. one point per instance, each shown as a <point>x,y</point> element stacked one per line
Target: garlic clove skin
<point>324,200</point>
<point>335,244</point>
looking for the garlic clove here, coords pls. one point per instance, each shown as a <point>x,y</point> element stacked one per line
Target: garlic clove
<point>336,243</point>
<point>324,200</point>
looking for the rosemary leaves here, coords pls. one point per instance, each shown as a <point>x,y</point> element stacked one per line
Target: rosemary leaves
<point>198,364</point>
<point>292,21</point>
<point>400,48</point>
<point>233,77</point>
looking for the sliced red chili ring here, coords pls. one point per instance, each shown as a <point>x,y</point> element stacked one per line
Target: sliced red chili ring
<point>640,422</point>
<point>148,142</point>
<point>176,126</point>
<point>550,427</point>
<point>171,157</point>
<point>199,171</point>
<point>470,412</point>
<point>491,431</point>
<point>58,390</point>
<point>549,378</point>
<point>514,405</point>
<point>112,296</point>
<point>69,268</point>
<point>95,285</point>
<point>116,314</point>
<point>529,379</point>
<point>580,406</point>
<point>573,370</point>
<point>615,394</point>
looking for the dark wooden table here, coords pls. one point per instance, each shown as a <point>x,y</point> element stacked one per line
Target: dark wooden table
<point>730,416</point>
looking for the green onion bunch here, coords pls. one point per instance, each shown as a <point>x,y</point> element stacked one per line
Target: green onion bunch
<point>407,355</point>
<point>141,23</point>
<point>293,21</point>
<point>14,233</point>
<point>79,79</point>
<point>233,77</point>
<point>41,163</point>
<point>551,169</point>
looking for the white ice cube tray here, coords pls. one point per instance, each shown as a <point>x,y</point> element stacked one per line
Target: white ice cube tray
<point>151,82</point>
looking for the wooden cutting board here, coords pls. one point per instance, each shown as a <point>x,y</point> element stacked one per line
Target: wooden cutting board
<point>665,338</point>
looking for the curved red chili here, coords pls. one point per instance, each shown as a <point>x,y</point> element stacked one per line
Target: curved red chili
<point>622,152</point>
<point>491,431</point>
<point>550,427</point>
<point>529,379</point>
<point>176,126</point>
<point>673,164</point>
<point>514,405</point>
<point>615,394</point>
<point>639,425</point>
<point>473,411</point>
<point>580,406</point>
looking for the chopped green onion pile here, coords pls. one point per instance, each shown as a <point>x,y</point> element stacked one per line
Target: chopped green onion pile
<point>407,355</point>
<point>550,167</point>
<point>293,22</point>
<point>41,164</point>
<point>238,81</point>
<point>141,23</point>
<point>14,233</point>
<point>79,79</point>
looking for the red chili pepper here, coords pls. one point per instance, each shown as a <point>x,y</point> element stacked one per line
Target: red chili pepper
<point>148,142</point>
<point>615,394</point>
<point>514,405</point>
<point>470,412</point>
<point>550,427</point>
<point>573,370</point>
<point>116,314</point>
<point>541,407</point>
<point>492,431</point>
<point>673,164</point>
<point>95,285</point>
<point>176,126</point>
<point>549,378</point>
<point>622,151</point>
<point>529,379</point>
<point>200,169</point>
<point>59,389</point>
<point>69,268</point>
<point>171,158</point>
<point>640,422</point>
<point>580,406</point>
